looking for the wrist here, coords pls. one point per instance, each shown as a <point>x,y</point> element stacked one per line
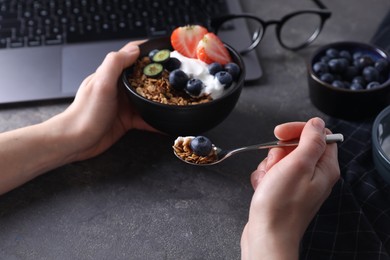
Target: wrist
<point>272,242</point>
<point>58,145</point>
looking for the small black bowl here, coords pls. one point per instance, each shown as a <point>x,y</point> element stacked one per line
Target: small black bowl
<point>346,103</point>
<point>189,119</point>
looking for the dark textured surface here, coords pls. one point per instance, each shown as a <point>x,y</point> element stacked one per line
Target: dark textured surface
<point>137,201</point>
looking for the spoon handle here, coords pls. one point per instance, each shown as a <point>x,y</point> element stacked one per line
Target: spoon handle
<point>334,138</point>
<point>331,138</point>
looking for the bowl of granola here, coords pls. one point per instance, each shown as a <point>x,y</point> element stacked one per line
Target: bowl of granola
<point>183,93</point>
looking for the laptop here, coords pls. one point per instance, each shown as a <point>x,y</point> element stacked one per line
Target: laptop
<point>47,48</point>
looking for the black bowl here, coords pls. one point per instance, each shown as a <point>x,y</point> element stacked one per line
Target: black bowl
<point>346,103</point>
<point>189,119</point>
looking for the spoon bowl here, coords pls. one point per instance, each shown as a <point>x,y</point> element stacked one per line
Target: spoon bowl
<point>221,154</point>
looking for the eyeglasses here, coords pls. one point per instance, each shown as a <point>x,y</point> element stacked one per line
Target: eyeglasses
<point>294,31</point>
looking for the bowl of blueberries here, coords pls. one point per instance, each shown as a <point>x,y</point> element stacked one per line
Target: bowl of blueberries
<point>349,80</point>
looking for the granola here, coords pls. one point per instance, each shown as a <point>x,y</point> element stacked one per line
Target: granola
<point>182,149</point>
<point>159,89</point>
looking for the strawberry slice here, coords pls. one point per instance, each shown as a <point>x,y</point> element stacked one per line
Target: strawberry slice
<point>184,39</point>
<point>211,49</point>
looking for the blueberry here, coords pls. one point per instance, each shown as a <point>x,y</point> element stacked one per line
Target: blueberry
<point>363,61</point>
<point>337,77</point>
<point>345,54</point>
<point>201,146</point>
<point>382,65</point>
<point>325,59</point>
<point>350,72</point>
<point>178,79</point>
<point>338,84</point>
<point>373,84</point>
<point>320,68</point>
<point>347,84</point>
<point>356,86</point>
<point>327,77</point>
<point>360,80</point>
<point>332,53</point>
<point>370,74</point>
<point>345,62</point>
<point>172,64</point>
<point>224,78</point>
<point>214,67</point>
<point>233,69</point>
<point>194,87</point>
<point>357,55</point>
<point>336,65</point>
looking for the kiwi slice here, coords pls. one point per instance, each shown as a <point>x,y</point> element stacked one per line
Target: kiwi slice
<point>161,56</point>
<point>153,70</point>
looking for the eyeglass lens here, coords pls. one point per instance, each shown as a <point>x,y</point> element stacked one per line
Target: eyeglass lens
<point>299,30</point>
<point>296,31</point>
<point>226,33</point>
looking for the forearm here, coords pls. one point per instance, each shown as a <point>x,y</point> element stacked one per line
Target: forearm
<point>27,152</point>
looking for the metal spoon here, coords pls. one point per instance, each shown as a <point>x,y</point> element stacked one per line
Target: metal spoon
<point>223,154</point>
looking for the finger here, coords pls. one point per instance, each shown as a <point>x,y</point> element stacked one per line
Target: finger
<point>289,131</point>
<point>137,43</point>
<point>139,123</point>
<point>115,62</point>
<point>258,174</point>
<point>275,155</point>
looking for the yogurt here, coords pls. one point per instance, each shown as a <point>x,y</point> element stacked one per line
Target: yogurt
<point>195,68</point>
<point>183,139</point>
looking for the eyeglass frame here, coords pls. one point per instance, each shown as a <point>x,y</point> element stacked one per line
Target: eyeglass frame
<point>323,12</point>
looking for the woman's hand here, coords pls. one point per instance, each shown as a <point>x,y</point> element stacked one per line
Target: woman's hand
<point>101,112</point>
<point>290,186</point>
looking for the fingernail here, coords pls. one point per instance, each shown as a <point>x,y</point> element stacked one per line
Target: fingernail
<point>318,123</point>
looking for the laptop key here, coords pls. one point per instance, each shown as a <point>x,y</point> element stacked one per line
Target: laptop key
<point>34,41</point>
<point>53,40</point>
<point>5,33</point>
<point>3,43</point>
<point>16,42</point>
<point>10,23</point>
<point>8,15</point>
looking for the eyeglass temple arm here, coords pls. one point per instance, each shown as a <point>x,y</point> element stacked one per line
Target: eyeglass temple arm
<point>320,4</point>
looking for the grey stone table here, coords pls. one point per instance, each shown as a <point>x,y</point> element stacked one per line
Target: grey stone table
<point>137,201</point>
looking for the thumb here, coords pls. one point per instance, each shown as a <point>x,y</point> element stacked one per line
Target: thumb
<point>312,142</point>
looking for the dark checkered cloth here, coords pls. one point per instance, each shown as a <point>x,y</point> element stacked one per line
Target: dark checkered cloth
<point>354,223</point>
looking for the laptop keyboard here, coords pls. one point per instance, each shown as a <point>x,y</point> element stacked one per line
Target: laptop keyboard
<point>29,23</point>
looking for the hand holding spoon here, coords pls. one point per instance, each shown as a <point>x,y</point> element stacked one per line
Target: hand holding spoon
<point>220,154</point>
